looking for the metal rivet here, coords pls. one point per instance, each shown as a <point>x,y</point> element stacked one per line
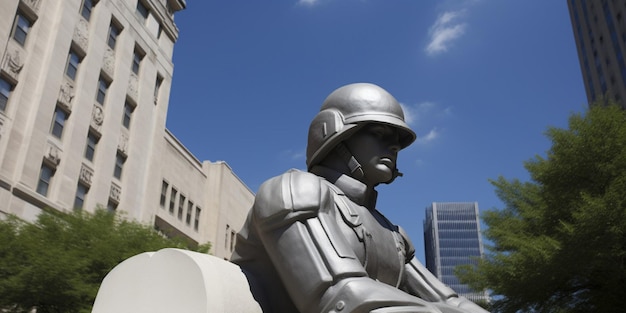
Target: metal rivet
<point>340,305</point>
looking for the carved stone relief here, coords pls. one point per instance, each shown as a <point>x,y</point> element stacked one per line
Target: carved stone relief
<point>122,145</point>
<point>97,117</point>
<point>66,94</point>
<point>132,86</point>
<point>12,63</point>
<point>85,175</point>
<point>108,64</point>
<point>115,192</point>
<point>81,33</point>
<point>53,154</point>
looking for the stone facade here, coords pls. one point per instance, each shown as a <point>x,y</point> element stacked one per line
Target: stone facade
<point>84,94</point>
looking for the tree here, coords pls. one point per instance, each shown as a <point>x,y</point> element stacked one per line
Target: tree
<point>57,263</point>
<point>559,245</point>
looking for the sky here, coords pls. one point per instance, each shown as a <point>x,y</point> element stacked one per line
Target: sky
<point>480,81</point>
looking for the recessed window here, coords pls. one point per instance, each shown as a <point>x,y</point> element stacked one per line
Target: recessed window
<point>137,57</point>
<point>157,87</point>
<point>112,206</point>
<point>45,177</point>
<point>90,147</point>
<point>81,193</point>
<point>86,8</point>
<point>71,68</point>
<point>142,11</point>
<point>173,194</point>
<point>20,28</point>
<point>164,188</point>
<point>114,31</point>
<point>189,211</point>
<point>5,93</point>
<point>58,122</point>
<point>196,222</point>
<point>128,114</point>
<point>181,207</point>
<point>103,86</point>
<point>119,165</point>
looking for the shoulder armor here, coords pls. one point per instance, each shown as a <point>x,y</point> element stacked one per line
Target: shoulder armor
<point>294,192</point>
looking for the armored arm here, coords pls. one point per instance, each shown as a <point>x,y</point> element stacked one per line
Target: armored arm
<point>298,227</point>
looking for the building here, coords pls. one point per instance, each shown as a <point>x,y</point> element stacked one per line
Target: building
<point>600,34</point>
<point>84,94</point>
<point>451,238</point>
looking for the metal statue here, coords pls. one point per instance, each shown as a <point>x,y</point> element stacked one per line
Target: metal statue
<point>314,241</point>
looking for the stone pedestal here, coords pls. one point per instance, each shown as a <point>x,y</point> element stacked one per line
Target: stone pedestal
<point>174,280</point>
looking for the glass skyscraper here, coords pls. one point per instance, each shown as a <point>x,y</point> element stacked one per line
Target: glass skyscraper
<point>452,237</point>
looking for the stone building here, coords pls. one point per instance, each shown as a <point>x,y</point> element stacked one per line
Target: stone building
<point>84,94</point>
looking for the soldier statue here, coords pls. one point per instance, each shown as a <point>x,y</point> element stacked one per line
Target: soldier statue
<point>314,241</point>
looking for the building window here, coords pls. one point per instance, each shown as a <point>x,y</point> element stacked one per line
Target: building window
<point>196,221</point>
<point>181,207</point>
<point>226,236</point>
<point>114,31</point>
<point>71,68</point>
<point>45,177</point>
<point>164,187</point>
<point>157,87</point>
<point>90,147</point>
<point>21,26</point>
<point>173,194</point>
<point>58,122</point>
<point>5,92</point>
<point>189,211</point>
<point>142,11</point>
<point>112,206</point>
<point>232,240</point>
<point>86,8</point>
<point>137,57</point>
<point>119,165</point>
<point>103,86</point>
<point>81,193</point>
<point>128,113</point>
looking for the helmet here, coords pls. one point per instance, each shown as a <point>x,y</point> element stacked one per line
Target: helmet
<point>345,111</point>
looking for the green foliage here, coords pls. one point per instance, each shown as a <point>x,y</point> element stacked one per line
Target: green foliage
<point>559,245</point>
<point>57,263</point>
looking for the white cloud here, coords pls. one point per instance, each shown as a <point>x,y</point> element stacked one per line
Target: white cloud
<point>308,2</point>
<point>445,30</point>
<point>432,135</point>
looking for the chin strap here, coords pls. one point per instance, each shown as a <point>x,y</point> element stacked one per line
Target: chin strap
<point>356,171</point>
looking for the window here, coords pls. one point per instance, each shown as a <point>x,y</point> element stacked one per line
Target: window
<point>45,177</point>
<point>81,193</point>
<point>103,86</point>
<point>157,87</point>
<point>5,92</point>
<point>196,222</point>
<point>112,206</point>
<point>163,194</point>
<point>85,10</point>
<point>21,27</point>
<point>173,199</point>
<point>114,31</point>
<point>189,210</point>
<point>226,236</point>
<point>71,68</point>
<point>90,147</point>
<point>142,11</point>
<point>119,165</point>
<point>137,56</point>
<point>128,113</point>
<point>232,240</point>
<point>58,122</point>
<point>181,207</point>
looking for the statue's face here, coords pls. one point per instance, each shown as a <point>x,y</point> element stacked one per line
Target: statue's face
<point>376,148</point>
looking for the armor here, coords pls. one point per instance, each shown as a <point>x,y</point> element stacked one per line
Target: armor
<point>314,242</point>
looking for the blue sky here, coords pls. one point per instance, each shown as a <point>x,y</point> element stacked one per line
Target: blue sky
<point>480,81</point>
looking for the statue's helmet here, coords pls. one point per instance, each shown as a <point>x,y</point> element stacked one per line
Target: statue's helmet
<point>345,111</point>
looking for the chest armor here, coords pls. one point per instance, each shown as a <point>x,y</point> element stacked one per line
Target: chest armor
<point>375,241</point>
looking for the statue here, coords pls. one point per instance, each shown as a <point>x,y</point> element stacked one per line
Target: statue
<point>314,241</point>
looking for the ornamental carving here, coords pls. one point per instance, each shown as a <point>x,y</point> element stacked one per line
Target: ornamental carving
<point>108,64</point>
<point>132,86</point>
<point>85,175</point>
<point>115,193</point>
<point>97,117</point>
<point>122,144</point>
<point>81,34</point>
<point>12,63</point>
<point>66,94</point>
<point>53,154</point>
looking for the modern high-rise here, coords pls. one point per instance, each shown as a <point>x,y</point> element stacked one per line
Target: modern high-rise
<point>451,238</point>
<point>84,95</point>
<point>600,34</point>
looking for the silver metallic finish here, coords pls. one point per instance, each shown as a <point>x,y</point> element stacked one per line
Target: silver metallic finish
<point>314,242</point>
